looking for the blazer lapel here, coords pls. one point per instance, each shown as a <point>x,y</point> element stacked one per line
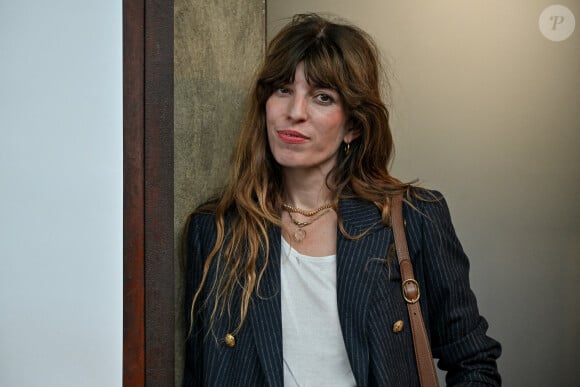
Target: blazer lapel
<point>266,316</point>
<point>357,269</point>
<point>356,273</point>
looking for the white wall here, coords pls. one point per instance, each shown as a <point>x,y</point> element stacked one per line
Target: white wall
<point>485,109</point>
<point>60,193</point>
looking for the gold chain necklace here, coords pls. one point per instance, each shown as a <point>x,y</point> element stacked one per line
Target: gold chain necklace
<point>300,233</point>
<point>306,213</point>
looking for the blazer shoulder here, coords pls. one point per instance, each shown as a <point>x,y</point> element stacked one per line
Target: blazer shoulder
<point>200,231</point>
<point>426,202</point>
<point>204,216</point>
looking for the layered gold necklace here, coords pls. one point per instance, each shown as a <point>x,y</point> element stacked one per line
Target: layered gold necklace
<point>300,233</point>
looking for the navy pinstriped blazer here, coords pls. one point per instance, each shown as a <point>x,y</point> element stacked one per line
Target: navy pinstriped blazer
<point>369,303</point>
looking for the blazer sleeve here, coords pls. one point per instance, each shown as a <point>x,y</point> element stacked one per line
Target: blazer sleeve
<point>198,237</point>
<point>457,331</point>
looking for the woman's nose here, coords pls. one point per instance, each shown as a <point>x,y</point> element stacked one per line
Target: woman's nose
<point>298,108</point>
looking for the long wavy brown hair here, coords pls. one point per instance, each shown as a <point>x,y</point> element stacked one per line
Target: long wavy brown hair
<point>336,55</point>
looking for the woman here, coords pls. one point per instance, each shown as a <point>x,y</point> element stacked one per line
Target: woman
<point>291,278</point>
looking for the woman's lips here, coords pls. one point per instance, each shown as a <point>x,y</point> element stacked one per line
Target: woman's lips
<point>292,136</point>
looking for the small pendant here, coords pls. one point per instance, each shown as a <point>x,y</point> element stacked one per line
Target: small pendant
<point>299,235</point>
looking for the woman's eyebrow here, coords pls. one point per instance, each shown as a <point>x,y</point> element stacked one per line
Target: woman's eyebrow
<point>321,85</point>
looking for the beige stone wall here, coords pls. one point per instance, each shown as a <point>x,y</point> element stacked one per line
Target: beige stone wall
<point>218,45</point>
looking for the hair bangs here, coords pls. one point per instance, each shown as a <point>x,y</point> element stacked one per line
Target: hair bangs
<point>323,66</point>
<point>323,63</point>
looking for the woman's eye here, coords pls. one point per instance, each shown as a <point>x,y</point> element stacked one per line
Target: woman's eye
<point>282,90</point>
<point>324,98</point>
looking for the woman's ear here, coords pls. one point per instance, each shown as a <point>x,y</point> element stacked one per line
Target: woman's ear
<point>351,135</point>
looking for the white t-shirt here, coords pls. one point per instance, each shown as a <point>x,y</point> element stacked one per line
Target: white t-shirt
<point>313,346</point>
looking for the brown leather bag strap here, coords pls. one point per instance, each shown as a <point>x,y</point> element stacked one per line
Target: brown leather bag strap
<point>411,294</point>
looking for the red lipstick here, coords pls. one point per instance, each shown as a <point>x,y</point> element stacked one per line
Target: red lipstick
<point>292,137</point>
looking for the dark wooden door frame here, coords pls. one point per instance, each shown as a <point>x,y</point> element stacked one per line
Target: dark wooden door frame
<point>148,244</point>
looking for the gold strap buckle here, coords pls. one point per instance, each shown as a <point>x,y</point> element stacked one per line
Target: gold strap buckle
<point>411,292</point>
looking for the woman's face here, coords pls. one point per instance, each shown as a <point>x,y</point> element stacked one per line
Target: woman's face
<point>306,125</point>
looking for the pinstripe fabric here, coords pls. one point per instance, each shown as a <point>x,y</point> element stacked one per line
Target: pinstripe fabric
<point>369,303</point>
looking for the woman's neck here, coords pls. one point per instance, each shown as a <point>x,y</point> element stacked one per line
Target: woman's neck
<point>305,189</point>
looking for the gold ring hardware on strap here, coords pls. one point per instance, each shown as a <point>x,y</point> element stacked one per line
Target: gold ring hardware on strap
<point>411,292</point>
